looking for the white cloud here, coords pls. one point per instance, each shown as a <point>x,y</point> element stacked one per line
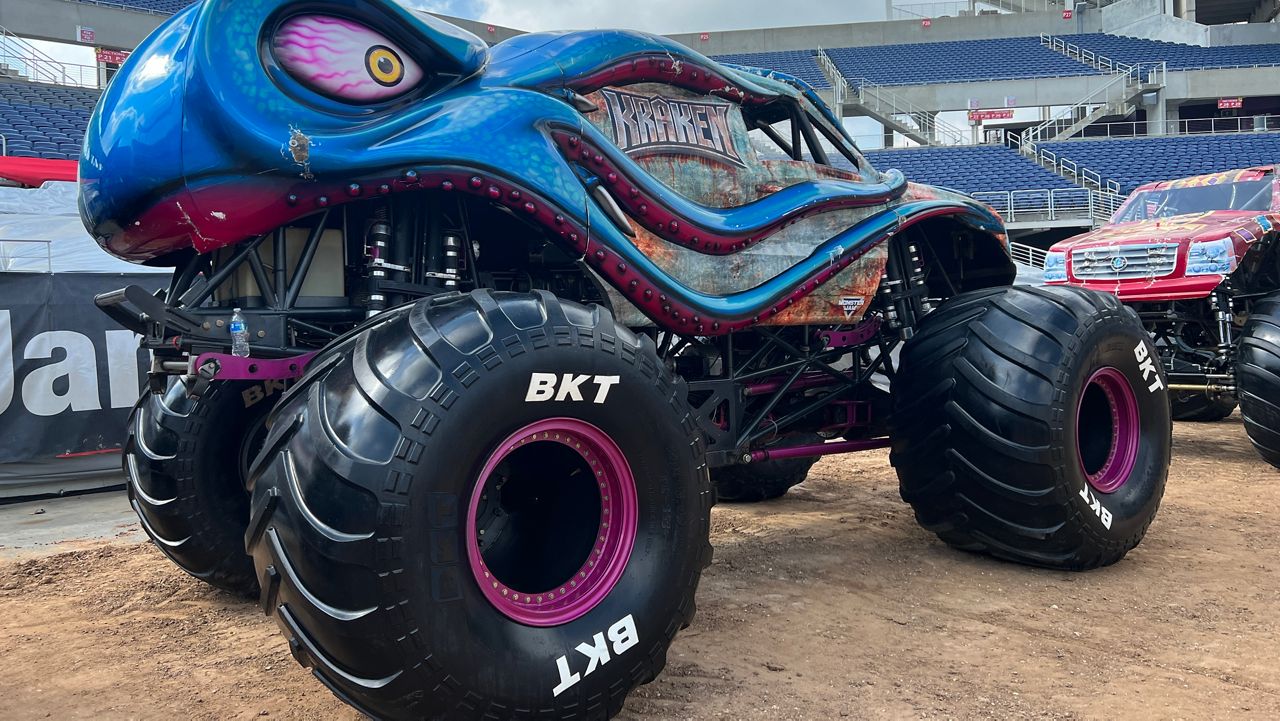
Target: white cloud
<point>671,16</point>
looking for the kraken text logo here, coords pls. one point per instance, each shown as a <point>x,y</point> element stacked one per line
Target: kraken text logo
<point>651,124</point>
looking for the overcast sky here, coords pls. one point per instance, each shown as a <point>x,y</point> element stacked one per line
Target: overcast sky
<point>659,16</point>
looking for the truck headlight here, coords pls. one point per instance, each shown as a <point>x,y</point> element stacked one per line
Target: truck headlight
<point>1055,267</point>
<point>1211,257</point>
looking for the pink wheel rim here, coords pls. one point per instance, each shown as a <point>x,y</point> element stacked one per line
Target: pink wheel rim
<point>615,525</point>
<point>1118,428</point>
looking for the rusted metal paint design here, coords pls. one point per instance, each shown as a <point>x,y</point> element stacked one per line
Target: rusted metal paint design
<point>696,162</point>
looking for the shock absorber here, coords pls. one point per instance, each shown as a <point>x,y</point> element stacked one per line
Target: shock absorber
<point>375,249</point>
<point>1224,310</point>
<point>902,286</point>
<point>452,249</point>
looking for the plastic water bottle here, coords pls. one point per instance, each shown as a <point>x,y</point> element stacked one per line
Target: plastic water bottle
<point>239,335</point>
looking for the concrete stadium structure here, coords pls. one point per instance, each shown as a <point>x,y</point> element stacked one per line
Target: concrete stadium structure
<point>1150,88</point>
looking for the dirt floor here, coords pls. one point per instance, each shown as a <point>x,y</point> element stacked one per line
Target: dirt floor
<point>829,603</point>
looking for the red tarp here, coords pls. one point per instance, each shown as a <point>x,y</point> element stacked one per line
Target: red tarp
<point>34,171</point>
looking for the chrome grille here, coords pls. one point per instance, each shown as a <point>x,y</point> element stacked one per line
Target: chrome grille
<point>1122,262</point>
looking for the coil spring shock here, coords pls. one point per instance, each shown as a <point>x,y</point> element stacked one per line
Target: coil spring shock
<point>375,250</point>
<point>902,287</point>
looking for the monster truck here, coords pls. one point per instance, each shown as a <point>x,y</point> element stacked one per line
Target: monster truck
<point>1199,261</point>
<point>513,310</point>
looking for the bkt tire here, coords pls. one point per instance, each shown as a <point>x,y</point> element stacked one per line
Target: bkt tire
<point>1258,378</point>
<point>1032,424</point>
<point>766,480</point>
<point>1201,407</point>
<point>187,460</point>
<point>491,506</point>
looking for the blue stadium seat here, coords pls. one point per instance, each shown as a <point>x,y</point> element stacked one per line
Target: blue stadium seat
<point>1176,55</point>
<point>44,120</point>
<point>969,169</point>
<point>800,63</point>
<point>1132,162</point>
<point>955,62</point>
<point>164,7</point>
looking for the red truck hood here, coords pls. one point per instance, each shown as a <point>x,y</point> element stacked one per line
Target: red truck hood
<point>1180,228</point>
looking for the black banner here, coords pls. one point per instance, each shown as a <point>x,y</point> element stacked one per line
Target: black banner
<point>68,374</point>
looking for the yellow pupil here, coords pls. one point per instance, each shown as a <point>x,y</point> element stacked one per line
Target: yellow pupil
<point>385,67</point>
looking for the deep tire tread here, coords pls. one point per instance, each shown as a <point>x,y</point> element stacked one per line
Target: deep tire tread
<point>191,505</point>
<point>981,458</point>
<point>1258,378</point>
<point>392,672</point>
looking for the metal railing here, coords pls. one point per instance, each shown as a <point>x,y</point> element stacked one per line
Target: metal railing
<point>839,86</point>
<point>1083,204</point>
<point>881,100</point>
<point>33,64</point>
<point>1083,55</point>
<point>1027,254</point>
<point>1101,62</point>
<point>26,256</point>
<point>1187,126</point>
<point>1126,83</point>
<point>1073,171</point>
<point>130,8</point>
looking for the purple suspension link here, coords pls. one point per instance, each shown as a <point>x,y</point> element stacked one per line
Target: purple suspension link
<point>818,449</point>
<point>234,368</point>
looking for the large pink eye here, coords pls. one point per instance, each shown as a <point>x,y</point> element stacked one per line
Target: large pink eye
<point>344,59</point>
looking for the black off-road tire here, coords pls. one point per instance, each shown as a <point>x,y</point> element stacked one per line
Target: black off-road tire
<point>984,427</point>
<point>359,522</point>
<point>1200,407</point>
<point>186,461</point>
<point>1258,378</point>
<point>764,481</point>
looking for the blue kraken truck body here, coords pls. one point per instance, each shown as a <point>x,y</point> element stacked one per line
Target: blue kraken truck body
<point>518,315</point>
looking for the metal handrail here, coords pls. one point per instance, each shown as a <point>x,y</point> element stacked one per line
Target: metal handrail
<point>839,86</point>
<point>888,102</point>
<point>1094,206</point>
<point>1128,79</point>
<point>122,6</point>
<point>4,145</point>
<point>1102,62</point>
<point>1184,126</point>
<point>39,67</point>
<point>1027,254</point>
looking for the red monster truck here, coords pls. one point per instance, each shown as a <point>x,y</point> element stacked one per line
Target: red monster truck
<point>1198,259</point>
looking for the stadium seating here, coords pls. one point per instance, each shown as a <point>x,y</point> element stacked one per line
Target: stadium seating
<point>165,7</point>
<point>1176,55</point>
<point>969,168</point>
<point>1142,160</point>
<point>800,63</point>
<point>44,121</point>
<point>955,62</point>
